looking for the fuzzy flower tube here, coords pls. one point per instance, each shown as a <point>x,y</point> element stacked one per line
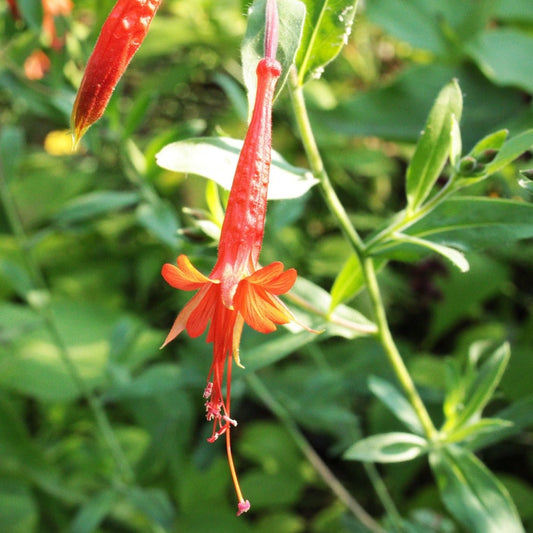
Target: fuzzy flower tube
<point>238,290</point>
<point>122,34</point>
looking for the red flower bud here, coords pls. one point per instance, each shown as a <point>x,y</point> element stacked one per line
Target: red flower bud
<point>122,33</point>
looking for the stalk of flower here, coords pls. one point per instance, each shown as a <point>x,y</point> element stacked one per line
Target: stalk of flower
<point>238,290</point>
<point>122,33</point>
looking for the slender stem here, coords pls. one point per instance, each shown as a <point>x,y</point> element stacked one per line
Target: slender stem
<point>384,496</point>
<point>318,464</point>
<point>408,219</point>
<point>317,165</point>
<point>387,341</point>
<point>369,271</point>
<point>42,306</point>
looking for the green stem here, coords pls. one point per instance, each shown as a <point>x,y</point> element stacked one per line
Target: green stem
<point>42,306</point>
<point>317,165</point>
<point>335,206</point>
<point>384,496</point>
<point>408,219</point>
<point>385,336</point>
<point>318,464</point>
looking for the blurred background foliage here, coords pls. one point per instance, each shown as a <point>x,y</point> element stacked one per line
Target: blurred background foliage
<point>99,224</point>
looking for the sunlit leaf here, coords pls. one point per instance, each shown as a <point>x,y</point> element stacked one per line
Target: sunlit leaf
<point>472,494</point>
<point>291,15</point>
<point>433,148</point>
<point>395,402</point>
<point>387,448</point>
<point>216,158</point>
<point>328,24</point>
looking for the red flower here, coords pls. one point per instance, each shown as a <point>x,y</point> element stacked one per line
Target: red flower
<point>122,33</point>
<point>238,290</point>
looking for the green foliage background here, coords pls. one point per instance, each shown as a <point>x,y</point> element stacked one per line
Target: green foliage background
<point>100,223</point>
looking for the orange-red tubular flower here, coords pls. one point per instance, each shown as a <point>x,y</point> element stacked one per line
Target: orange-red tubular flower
<point>122,33</point>
<point>237,291</point>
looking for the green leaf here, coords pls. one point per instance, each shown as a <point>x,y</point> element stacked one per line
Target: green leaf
<point>455,257</point>
<point>315,302</point>
<point>32,12</point>
<point>11,150</point>
<point>472,494</point>
<point>503,55</point>
<point>395,402</point>
<point>92,513</point>
<point>291,15</point>
<point>492,141</point>
<point>511,149</point>
<point>520,416</point>
<point>95,204</point>
<point>482,388</point>
<point>328,24</point>
<point>160,219</point>
<point>476,223</point>
<point>216,158</point>
<point>387,448</point>
<point>350,280</point>
<point>483,426</point>
<point>433,148</point>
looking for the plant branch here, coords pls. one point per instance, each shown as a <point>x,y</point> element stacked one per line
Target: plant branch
<point>318,464</point>
<point>335,206</point>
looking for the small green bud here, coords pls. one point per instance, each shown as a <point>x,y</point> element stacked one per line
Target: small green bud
<point>467,165</point>
<point>487,156</point>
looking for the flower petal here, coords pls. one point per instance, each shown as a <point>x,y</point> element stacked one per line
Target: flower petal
<point>260,309</point>
<point>273,279</point>
<point>182,318</point>
<point>184,277</point>
<point>203,311</point>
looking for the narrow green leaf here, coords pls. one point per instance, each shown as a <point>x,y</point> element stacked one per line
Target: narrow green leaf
<point>91,515</point>
<point>433,147</point>
<point>510,150</point>
<point>95,204</point>
<point>395,402</point>
<point>328,24</point>
<point>520,416</point>
<point>492,141</point>
<point>291,20</point>
<point>314,308</point>
<point>488,378</point>
<point>387,448</point>
<point>476,223</point>
<point>350,280</point>
<point>483,426</point>
<point>455,257</point>
<point>216,158</point>
<point>472,494</point>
